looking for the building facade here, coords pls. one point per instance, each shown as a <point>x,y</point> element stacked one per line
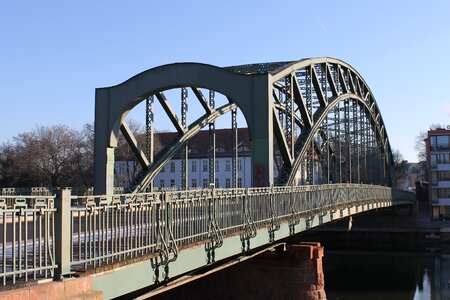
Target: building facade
<point>438,162</point>
<point>198,175</point>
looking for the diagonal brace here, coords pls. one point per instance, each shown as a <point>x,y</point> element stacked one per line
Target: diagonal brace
<point>317,88</point>
<point>281,140</point>
<point>169,111</point>
<point>298,99</point>
<point>131,140</point>
<point>202,100</point>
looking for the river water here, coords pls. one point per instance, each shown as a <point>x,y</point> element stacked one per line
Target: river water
<point>386,275</point>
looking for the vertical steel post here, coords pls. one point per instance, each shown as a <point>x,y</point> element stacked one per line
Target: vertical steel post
<point>355,163</point>
<point>289,113</point>
<point>362,144</point>
<point>212,143</point>
<point>348,159</point>
<point>356,179</point>
<point>339,135</point>
<point>310,152</point>
<point>149,131</point>
<point>63,233</point>
<point>185,150</point>
<point>280,112</point>
<point>234,155</point>
<point>323,80</point>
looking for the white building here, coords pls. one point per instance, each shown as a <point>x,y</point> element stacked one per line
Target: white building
<point>198,163</point>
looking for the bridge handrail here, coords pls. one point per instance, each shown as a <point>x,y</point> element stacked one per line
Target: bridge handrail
<point>106,229</point>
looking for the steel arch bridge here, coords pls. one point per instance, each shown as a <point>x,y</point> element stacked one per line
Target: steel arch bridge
<point>316,119</point>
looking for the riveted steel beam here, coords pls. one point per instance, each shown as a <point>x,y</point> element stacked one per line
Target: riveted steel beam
<point>318,88</point>
<point>351,83</point>
<point>331,82</point>
<point>299,101</point>
<point>202,100</point>
<point>342,80</point>
<point>169,111</point>
<point>281,140</point>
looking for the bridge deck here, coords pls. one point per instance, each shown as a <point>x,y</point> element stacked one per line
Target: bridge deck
<point>175,231</point>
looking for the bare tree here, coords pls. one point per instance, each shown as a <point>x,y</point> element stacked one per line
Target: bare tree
<point>125,155</point>
<point>84,155</point>
<point>400,167</point>
<point>48,156</point>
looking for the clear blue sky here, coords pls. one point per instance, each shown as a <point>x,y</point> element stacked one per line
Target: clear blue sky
<point>53,54</point>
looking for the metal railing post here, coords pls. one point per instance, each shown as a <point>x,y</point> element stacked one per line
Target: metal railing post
<point>62,233</point>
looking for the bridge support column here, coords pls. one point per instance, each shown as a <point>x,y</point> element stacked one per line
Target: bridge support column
<point>259,119</point>
<point>305,277</point>
<point>292,274</point>
<point>104,150</point>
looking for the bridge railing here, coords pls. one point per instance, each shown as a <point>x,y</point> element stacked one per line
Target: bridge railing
<point>92,231</point>
<point>27,235</point>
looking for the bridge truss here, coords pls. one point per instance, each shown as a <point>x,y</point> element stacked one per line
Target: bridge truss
<point>311,121</point>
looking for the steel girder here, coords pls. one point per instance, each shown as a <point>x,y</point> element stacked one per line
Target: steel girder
<point>289,101</point>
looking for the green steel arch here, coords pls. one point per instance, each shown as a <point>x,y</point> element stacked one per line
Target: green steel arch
<point>308,90</point>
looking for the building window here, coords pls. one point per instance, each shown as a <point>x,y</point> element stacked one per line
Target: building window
<point>240,164</point>
<point>172,182</point>
<point>194,183</point>
<point>443,175</point>
<point>433,159</point>
<point>172,167</point>
<point>443,158</point>
<point>243,149</point>
<point>194,166</point>
<point>227,183</point>
<point>217,165</point>
<point>227,165</point>
<point>161,183</point>
<point>162,170</point>
<point>220,149</point>
<point>204,165</point>
<point>434,194</point>
<point>434,177</point>
<point>205,183</point>
<point>239,182</point>
<point>442,141</point>
<point>433,142</point>
<point>444,193</point>
<point>217,183</point>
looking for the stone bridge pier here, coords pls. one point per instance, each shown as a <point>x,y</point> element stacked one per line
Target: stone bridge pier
<point>291,272</point>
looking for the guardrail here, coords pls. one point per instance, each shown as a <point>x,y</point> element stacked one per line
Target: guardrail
<point>27,237</point>
<point>54,235</point>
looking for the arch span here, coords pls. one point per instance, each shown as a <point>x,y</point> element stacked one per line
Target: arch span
<point>286,102</point>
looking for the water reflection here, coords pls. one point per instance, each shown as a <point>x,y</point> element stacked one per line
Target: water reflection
<point>423,287</point>
<point>350,275</point>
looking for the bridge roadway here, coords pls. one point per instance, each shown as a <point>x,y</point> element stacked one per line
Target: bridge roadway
<point>129,242</point>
